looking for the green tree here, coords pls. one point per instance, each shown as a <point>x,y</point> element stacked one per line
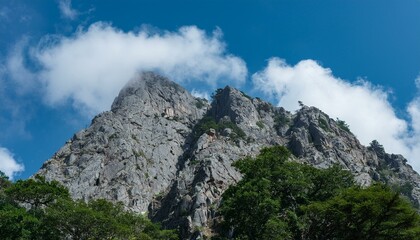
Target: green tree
<point>268,198</point>
<point>37,192</point>
<point>4,181</point>
<point>22,207</point>
<point>4,184</point>
<point>17,223</point>
<point>50,213</point>
<point>343,125</point>
<point>100,219</point>
<point>280,199</point>
<point>376,212</point>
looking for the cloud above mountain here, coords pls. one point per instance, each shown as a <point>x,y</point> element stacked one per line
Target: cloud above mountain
<point>364,107</point>
<point>66,9</point>
<point>8,164</point>
<point>200,94</point>
<point>90,67</point>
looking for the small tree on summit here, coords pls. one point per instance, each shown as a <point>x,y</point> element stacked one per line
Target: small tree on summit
<point>377,147</point>
<point>343,125</point>
<point>301,104</point>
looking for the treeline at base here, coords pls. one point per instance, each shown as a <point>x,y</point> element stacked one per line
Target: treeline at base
<point>37,209</point>
<point>276,199</point>
<point>281,199</point>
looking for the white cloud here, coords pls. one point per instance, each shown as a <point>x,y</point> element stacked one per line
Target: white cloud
<point>90,67</point>
<point>363,106</point>
<point>15,110</point>
<point>414,111</point>
<point>200,94</point>
<point>413,139</point>
<point>66,9</point>
<point>8,164</point>
<point>16,70</point>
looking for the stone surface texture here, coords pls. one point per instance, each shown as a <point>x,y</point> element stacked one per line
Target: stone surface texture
<point>147,152</point>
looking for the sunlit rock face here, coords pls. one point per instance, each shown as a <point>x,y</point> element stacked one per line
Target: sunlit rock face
<point>156,152</point>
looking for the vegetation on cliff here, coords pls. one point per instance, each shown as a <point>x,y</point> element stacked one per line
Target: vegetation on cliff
<point>279,199</point>
<point>37,209</point>
<point>276,199</point>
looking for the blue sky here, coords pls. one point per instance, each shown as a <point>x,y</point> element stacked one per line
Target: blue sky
<point>62,62</point>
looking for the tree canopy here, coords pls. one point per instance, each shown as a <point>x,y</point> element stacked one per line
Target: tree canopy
<point>280,199</point>
<point>38,209</point>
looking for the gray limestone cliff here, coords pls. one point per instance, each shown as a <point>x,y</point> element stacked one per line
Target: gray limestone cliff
<point>166,153</point>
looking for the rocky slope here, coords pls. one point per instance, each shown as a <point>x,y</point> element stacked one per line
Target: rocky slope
<point>162,151</point>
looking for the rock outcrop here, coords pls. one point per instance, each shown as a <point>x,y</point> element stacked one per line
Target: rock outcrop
<point>162,151</point>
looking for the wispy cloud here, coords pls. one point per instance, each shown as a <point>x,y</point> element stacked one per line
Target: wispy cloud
<point>17,72</point>
<point>90,67</point>
<point>363,106</point>
<point>200,94</point>
<point>413,138</point>
<point>4,12</point>
<point>66,9</point>
<point>17,86</point>
<point>15,113</point>
<point>8,164</point>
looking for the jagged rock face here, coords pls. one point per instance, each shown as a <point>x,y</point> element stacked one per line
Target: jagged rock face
<point>146,152</point>
<point>129,154</point>
<point>316,139</point>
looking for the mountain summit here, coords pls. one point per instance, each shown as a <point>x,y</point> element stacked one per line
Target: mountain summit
<point>162,151</point>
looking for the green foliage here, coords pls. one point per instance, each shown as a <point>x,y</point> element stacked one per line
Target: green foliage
<point>113,136</point>
<point>194,161</point>
<point>200,103</point>
<point>216,93</point>
<point>204,125</point>
<point>260,124</point>
<point>37,192</point>
<point>388,175</point>
<point>17,223</point>
<point>52,214</point>
<point>372,213</point>
<point>263,106</point>
<point>343,125</point>
<point>301,104</point>
<point>3,176</point>
<point>377,148</point>
<point>375,145</point>
<point>247,96</point>
<point>139,153</point>
<point>323,124</point>
<point>385,173</point>
<point>279,199</point>
<point>238,132</point>
<point>100,219</point>
<point>4,181</point>
<point>405,189</point>
<point>134,137</point>
<point>280,120</point>
<point>208,122</point>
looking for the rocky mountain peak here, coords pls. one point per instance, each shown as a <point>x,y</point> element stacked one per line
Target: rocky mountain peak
<point>235,105</point>
<point>162,151</point>
<point>153,95</point>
